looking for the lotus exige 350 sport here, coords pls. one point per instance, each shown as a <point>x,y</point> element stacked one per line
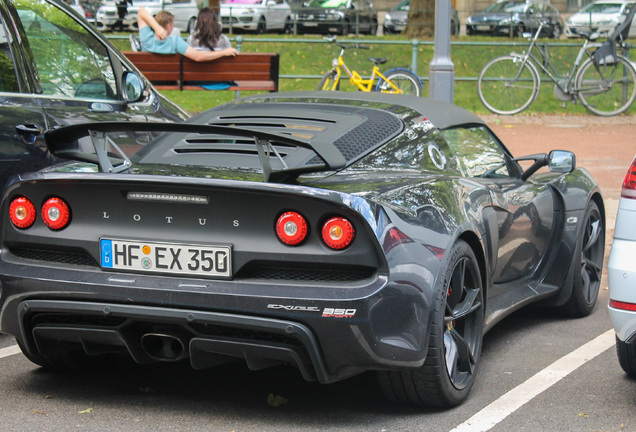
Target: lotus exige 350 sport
<point>334,232</point>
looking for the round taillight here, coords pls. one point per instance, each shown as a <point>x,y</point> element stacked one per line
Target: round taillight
<point>55,213</point>
<point>22,212</point>
<point>338,233</point>
<point>291,228</point>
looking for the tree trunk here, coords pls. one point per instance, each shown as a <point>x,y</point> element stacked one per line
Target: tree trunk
<point>421,22</point>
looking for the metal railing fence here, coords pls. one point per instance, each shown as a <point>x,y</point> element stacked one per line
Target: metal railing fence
<point>414,54</point>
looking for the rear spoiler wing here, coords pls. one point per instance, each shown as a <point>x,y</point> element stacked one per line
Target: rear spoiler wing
<point>63,143</point>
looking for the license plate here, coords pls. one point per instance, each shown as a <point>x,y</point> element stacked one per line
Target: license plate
<point>151,257</point>
<point>310,24</point>
<point>483,28</point>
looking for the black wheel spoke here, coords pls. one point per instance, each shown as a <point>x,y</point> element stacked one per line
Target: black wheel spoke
<point>460,362</point>
<point>593,233</point>
<point>593,269</point>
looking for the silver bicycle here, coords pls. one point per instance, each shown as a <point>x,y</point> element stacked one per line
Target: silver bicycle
<point>603,82</point>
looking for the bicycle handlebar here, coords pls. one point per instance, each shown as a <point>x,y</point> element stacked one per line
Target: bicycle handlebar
<point>333,39</point>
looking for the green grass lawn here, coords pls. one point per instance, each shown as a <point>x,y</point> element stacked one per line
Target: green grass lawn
<point>309,56</point>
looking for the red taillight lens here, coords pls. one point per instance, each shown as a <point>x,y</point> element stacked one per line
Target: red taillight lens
<point>55,213</point>
<point>622,305</point>
<point>291,228</point>
<point>629,184</point>
<point>22,212</point>
<point>338,233</point>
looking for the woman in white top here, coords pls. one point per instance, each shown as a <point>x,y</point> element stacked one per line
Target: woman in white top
<point>207,34</point>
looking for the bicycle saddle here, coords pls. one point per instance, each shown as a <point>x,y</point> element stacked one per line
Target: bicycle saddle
<point>589,35</point>
<point>377,61</point>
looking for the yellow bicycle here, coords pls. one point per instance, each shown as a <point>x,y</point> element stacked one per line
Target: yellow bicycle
<point>394,81</point>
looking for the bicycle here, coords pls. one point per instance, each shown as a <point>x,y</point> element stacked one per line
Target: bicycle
<point>394,81</point>
<point>603,83</point>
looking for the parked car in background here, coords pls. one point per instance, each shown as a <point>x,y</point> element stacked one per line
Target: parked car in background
<point>601,16</point>
<point>395,20</point>
<point>77,6</point>
<point>622,275</point>
<point>90,9</point>
<point>516,17</point>
<point>64,72</point>
<point>185,13</point>
<point>336,232</point>
<point>258,16</point>
<point>337,16</point>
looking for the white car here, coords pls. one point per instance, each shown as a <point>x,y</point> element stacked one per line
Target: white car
<point>622,275</point>
<point>256,15</point>
<point>601,16</point>
<point>185,13</point>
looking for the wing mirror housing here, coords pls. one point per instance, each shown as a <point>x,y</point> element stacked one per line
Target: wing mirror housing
<point>561,161</point>
<point>558,161</point>
<point>133,87</point>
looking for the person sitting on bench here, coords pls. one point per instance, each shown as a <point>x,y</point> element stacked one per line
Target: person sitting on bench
<point>154,35</point>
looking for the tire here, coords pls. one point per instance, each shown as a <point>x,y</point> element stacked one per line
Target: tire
<point>373,28</point>
<point>588,252</point>
<point>327,81</point>
<point>261,27</point>
<point>289,27</point>
<point>608,91</point>
<point>556,32</point>
<point>191,24</point>
<point>405,81</point>
<point>456,335</point>
<point>626,357</point>
<point>344,30</point>
<point>505,89</point>
<point>520,30</point>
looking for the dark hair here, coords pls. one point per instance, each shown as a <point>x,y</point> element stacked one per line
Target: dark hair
<point>207,30</point>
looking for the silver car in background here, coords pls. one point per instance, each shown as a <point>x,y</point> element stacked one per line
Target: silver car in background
<point>257,16</point>
<point>185,13</point>
<point>601,16</point>
<point>622,275</point>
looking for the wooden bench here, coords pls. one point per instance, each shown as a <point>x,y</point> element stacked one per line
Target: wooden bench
<point>249,71</point>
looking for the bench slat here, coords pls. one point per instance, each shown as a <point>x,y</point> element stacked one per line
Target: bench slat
<point>250,71</point>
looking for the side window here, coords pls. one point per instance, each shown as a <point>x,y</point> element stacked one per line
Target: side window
<point>70,61</point>
<point>8,80</point>
<point>478,153</point>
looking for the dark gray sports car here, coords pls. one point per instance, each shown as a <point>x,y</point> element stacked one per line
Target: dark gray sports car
<point>334,232</point>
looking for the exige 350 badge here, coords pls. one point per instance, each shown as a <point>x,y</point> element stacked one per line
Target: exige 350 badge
<point>326,312</point>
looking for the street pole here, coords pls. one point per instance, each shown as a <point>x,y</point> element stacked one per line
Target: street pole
<point>442,70</point>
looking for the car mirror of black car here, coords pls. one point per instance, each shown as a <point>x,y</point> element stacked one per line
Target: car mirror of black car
<point>558,161</point>
<point>133,87</point>
<point>561,161</point>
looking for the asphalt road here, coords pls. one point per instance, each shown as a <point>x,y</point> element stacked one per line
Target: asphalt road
<point>523,385</point>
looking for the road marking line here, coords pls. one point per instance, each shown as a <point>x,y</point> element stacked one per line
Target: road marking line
<point>494,413</point>
<point>9,351</point>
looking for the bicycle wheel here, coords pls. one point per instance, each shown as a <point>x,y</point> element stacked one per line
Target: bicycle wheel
<point>607,90</point>
<point>328,81</point>
<point>505,87</point>
<point>405,82</point>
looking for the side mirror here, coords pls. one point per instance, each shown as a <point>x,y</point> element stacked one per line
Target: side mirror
<point>133,87</point>
<point>561,161</point>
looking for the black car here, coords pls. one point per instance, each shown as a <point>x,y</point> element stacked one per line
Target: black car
<point>335,232</point>
<point>395,20</point>
<point>337,16</point>
<point>56,69</point>
<point>515,18</point>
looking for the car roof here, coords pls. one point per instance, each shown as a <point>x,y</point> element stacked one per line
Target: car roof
<point>441,114</point>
